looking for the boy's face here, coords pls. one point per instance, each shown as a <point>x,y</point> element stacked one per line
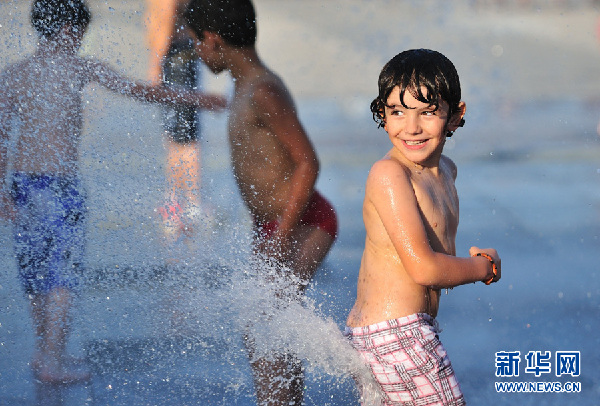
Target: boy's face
<point>419,131</point>
<point>209,50</point>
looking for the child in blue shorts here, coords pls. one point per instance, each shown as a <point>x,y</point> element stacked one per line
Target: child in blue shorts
<point>41,103</point>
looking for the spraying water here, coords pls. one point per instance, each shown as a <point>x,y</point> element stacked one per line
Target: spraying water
<point>202,310</point>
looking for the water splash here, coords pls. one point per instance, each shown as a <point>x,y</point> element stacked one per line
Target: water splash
<point>203,306</point>
<point>258,298</point>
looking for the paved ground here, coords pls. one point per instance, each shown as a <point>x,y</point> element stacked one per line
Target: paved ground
<point>528,178</point>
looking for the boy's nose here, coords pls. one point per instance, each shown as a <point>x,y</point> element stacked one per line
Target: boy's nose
<point>413,125</point>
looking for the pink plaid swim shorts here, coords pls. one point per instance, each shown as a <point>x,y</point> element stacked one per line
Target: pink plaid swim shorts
<point>409,361</point>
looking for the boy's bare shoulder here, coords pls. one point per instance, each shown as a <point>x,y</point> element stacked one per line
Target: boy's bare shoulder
<point>387,174</point>
<point>15,77</point>
<point>449,165</point>
<point>269,88</point>
<point>35,64</point>
<point>389,164</point>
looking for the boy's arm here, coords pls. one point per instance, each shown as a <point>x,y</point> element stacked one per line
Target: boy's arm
<point>276,110</point>
<point>391,192</point>
<point>112,80</point>
<point>160,22</point>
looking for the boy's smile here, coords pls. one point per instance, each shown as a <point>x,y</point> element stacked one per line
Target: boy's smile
<point>416,129</point>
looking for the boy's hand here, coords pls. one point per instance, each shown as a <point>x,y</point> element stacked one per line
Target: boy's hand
<point>497,261</point>
<point>212,102</point>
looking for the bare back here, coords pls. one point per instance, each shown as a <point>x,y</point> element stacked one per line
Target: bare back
<point>262,162</point>
<point>44,93</point>
<point>425,203</point>
<point>42,102</point>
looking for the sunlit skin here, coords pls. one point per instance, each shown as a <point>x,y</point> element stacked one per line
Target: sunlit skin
<point>276,167</point>
<point>274,162</point>
<point>410,212</point>
<point>160,17</point>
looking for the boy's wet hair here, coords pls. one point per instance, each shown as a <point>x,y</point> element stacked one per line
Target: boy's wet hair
<point>412,71</point>
<point>232,20</point>
<point>48,17</point>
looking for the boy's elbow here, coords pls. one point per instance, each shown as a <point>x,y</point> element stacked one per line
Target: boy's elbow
<point>310,168</point>
<point>424,280</point>
<point>425,274</point>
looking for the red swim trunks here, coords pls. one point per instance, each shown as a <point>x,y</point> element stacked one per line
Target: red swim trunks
<point>319,213</point>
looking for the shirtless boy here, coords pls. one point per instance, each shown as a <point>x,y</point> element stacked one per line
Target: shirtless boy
<point>41,102</point>
<point>274,163</point>
<point>410,213</point>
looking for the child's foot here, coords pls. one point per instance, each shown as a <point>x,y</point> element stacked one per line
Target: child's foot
<point>172,223</point>
<point>52,371</point>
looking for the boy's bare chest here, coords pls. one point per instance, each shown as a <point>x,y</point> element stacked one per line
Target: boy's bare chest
<point>438,202</point>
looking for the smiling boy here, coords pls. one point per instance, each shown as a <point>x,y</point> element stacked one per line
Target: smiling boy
<point>410,213</point>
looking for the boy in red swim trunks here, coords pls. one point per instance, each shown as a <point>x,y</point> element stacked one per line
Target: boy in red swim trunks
<point>274,163</point>
<point>410,213</point>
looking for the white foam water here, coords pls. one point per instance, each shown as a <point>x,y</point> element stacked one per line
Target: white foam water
<point>241,294</point>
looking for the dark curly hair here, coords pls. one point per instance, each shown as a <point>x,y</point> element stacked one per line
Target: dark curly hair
<point>413,70</point>
<point>233,20</point>
<point>48,17</point>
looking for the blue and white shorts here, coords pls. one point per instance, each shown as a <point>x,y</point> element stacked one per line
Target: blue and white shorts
<point>49,231</point>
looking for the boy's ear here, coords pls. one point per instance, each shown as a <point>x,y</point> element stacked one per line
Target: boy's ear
<point>71,32</point>
<point>457,118</point>
<point>379,116</point>
<point>382,120</point>
<point>212,40</point>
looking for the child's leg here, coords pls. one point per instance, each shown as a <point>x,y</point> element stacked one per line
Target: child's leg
<point>310,249</point>
<point>278,379</point>
<point>183,166</point>
<point>56,322</point>
<point>183,189</point>
<point>51,314</point>
<point>37,304</point>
